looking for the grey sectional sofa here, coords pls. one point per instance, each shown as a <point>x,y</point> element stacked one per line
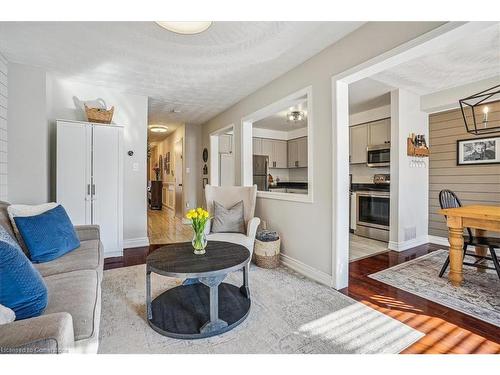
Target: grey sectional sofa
<point>70,322</point>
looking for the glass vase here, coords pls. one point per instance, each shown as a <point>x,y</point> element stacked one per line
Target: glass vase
<point>199,243</point>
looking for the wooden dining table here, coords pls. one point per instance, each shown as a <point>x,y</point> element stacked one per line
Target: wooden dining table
<point>478,217</point>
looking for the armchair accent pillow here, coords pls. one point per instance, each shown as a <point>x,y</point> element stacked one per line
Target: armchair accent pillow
<point>49,235</point>
<point>22,288</point>
<point>230,220</point>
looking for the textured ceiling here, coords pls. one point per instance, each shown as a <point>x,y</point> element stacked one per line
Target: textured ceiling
<point>473,58</point>
<point>368,94</point>
<point>200,75</point>
<point>279,120</point>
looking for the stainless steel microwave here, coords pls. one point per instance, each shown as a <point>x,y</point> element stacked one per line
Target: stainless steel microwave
<point>379,155</point>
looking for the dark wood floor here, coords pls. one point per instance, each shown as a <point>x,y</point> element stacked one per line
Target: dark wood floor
<point>446,330</point>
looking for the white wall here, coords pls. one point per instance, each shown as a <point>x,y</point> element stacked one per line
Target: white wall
<point>28,161</point>
<point>409,185</point>
<point>306,228</point>
<point>3,127</point>
<point>131,111</point>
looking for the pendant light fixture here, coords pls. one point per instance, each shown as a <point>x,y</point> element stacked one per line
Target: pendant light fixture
<point>481,111</point>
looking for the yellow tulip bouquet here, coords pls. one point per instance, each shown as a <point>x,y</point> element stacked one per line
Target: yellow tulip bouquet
<point>199,218</point>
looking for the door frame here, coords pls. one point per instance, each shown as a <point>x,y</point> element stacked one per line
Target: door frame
<point>447,33</point>
<point>176,143</point>
<point>214,166</point>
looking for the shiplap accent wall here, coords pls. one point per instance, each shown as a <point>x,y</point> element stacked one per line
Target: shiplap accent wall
<point>475,184</point>
<point>3,128</point>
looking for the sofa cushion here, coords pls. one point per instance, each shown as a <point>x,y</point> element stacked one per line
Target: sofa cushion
<point>5,220</point>
<point>89,256</point>
<point>48,235</point>
<point>22,288</point>
<point>77,293</point>
<point>228,220</point>
<point>26,210</point>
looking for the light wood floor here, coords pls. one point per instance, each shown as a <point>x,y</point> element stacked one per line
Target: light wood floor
<point>361,247</point>
<point>165,228</point>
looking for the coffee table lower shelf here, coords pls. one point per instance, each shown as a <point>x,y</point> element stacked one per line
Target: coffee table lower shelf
<point>181,312</point>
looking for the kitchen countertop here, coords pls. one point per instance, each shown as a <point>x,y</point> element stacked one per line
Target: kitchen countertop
<point>370,187</point>
<point>291,185</point>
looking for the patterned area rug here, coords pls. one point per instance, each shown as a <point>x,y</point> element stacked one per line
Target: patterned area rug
<point>479,295</point>
<point>289,314</point>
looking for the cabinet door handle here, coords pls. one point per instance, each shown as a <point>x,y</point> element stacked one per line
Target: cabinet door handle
<point>93,189</point>
<point>88,189</point>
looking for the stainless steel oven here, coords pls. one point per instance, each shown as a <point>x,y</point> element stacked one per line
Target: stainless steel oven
<point>379,155</point>
<point>372,216</point>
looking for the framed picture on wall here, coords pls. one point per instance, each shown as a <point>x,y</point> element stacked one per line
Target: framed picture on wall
<point>478,151</point>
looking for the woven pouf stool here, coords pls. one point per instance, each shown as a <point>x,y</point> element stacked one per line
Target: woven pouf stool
<point>266,251</point>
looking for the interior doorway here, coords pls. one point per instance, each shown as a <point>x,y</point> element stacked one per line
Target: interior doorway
<point>222,160</point>
<point>179,168</point>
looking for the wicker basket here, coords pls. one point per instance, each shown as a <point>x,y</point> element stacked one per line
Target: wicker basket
<point>100,115</point>
<point>267,254</point>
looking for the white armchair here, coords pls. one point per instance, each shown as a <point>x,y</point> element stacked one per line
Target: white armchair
<point>228,196</point>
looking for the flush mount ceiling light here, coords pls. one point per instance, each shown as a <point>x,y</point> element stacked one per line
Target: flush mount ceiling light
<point>158,129</point>
<point>295,116</point>
<point>480,111</point>
<point>186,27</point>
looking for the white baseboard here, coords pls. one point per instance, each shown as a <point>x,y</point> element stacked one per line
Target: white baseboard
<point>308,271</point>
<point>439,240</point>
<point>405,245</point>
<point>135,242</point>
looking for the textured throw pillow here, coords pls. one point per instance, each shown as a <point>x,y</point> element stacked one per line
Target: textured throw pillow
<point>22,288</point>
<point>6,315</point>
<point>49,235</point>
<point>26,210</point>
<point>230,220</point>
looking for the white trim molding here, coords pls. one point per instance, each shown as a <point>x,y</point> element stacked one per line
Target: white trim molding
<point>247,145</point>
<point>405,245</point>
<point>306,270</point>
<point>439,240</point>
<point>135,242</point>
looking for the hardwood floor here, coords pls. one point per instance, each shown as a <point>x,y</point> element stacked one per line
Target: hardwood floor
<point>446,330</point>
<point>164,228</point>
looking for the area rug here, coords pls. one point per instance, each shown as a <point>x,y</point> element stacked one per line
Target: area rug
<point>289,314</point>
<point>478,296</point>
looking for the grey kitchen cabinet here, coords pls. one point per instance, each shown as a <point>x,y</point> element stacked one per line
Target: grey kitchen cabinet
<point>293,153</point>
<point>280,154</point>
<point>275,149</point>
<point>268,149</point>
<point>257,146</point>
<point>302,152</point>
<point>225,144</point>
<point>297,153</point>
<point>358,143</point>
<point>380,132</point>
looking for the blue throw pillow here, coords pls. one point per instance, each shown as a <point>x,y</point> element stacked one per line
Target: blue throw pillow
<point>22,289</point>
<point>48,235</point>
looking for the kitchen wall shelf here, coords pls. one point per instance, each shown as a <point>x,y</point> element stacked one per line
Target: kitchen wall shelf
<point>412,150</point>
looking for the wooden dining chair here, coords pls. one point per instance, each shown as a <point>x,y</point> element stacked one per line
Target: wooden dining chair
<point>448,199</point>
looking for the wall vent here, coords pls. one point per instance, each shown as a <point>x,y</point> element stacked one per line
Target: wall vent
<point>410,233</point>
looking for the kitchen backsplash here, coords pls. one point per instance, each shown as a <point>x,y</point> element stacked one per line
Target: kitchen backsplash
<point>361,174</point>
<point>289,175</point>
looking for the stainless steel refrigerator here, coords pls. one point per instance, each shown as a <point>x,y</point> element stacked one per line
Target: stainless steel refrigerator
<point>260,172</point>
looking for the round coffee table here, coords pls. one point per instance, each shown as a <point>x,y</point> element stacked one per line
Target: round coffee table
<point>203,305</point>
